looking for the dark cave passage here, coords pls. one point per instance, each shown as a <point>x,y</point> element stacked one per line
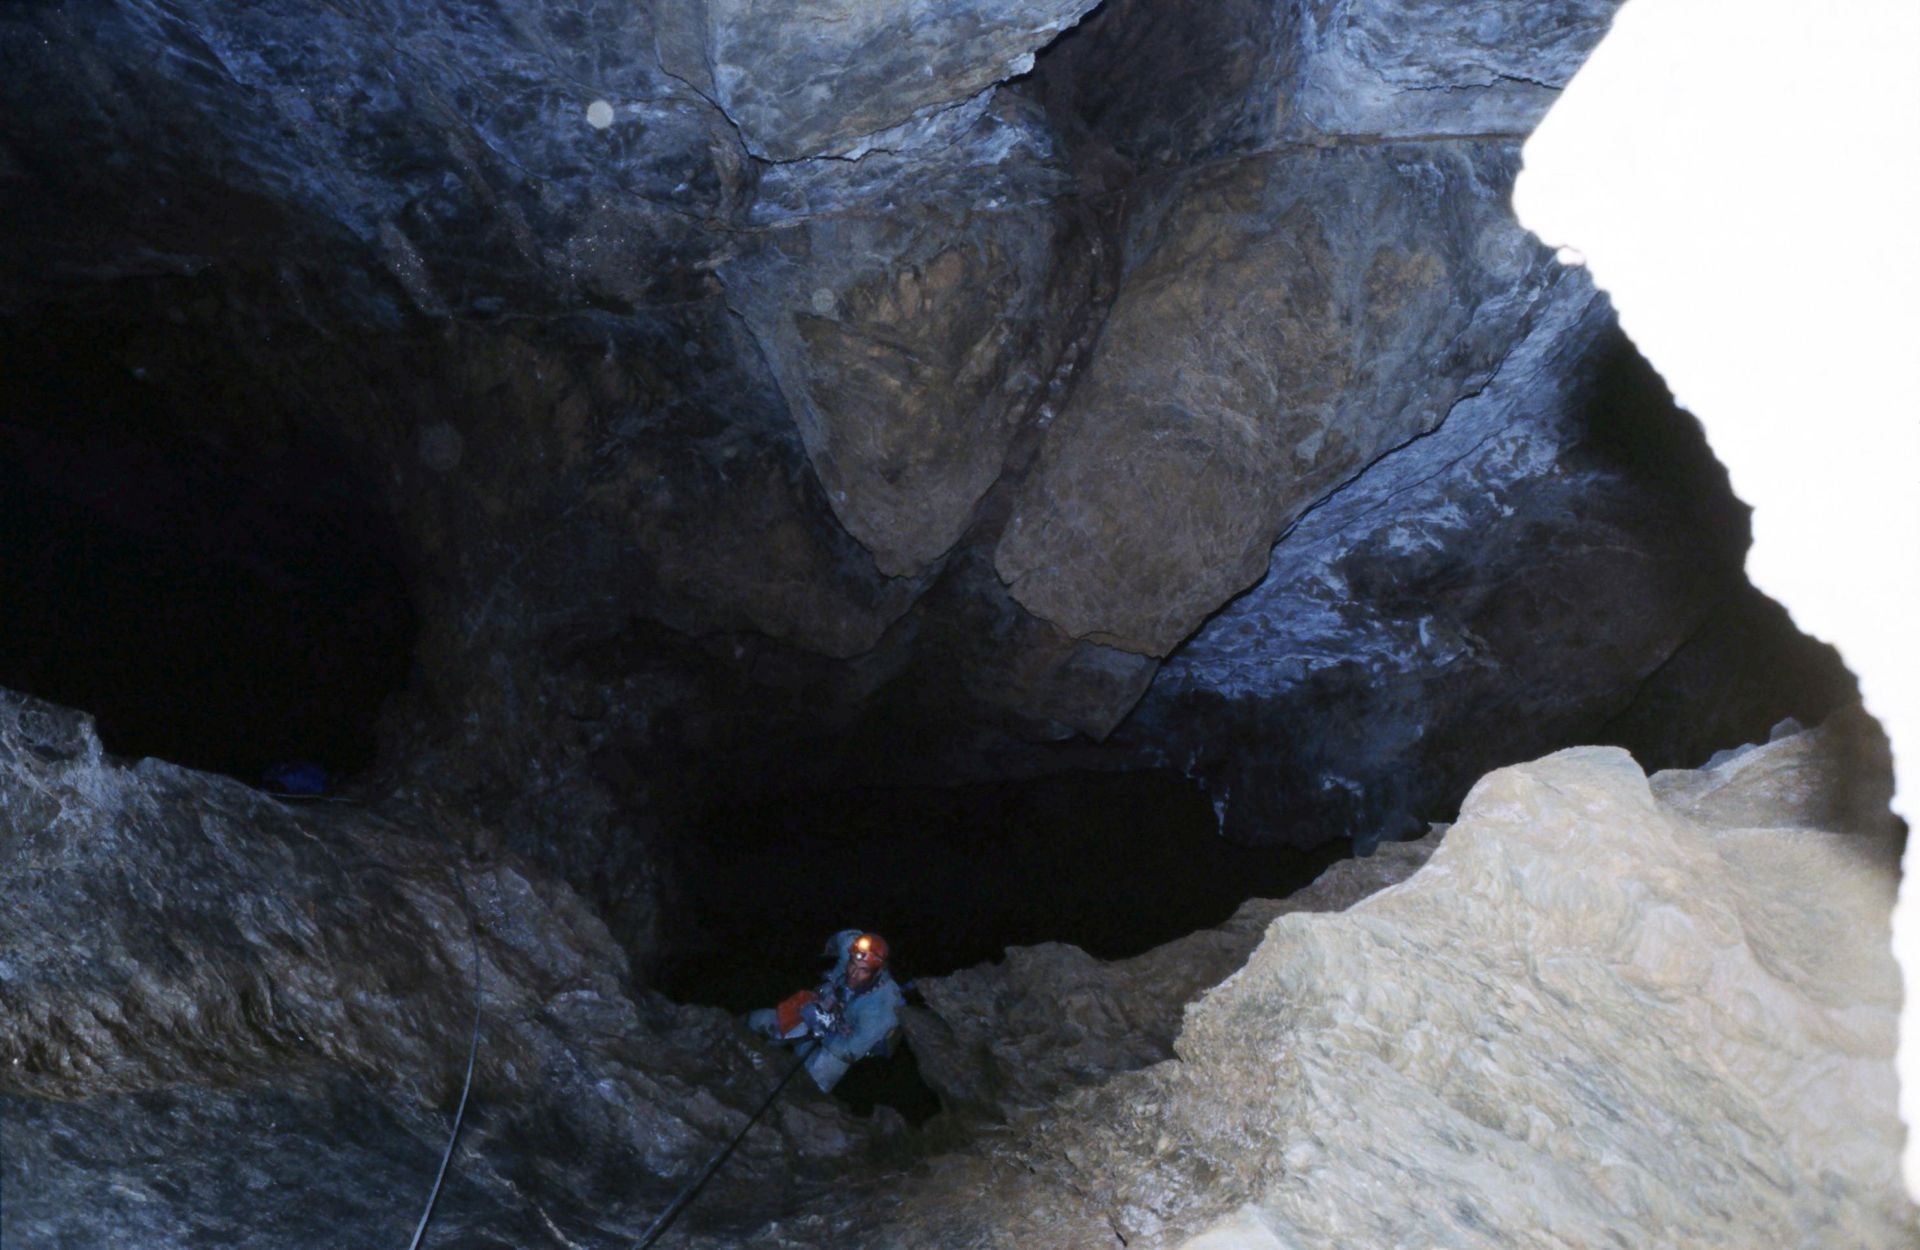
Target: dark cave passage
<point>1115,863</point>
<point>226,603</point>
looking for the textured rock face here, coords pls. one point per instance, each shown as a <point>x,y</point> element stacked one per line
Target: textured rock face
<point>724,422</point>
<point>1589,1018</point>
<point>227,1019</point>
<point>826,77</point>
<point>1405,67</point>
<point>1601,1008</point>
<point>1155,84</point>
<point>1785,783</point>
<point>811,396</point>
<point>1291,319</point>
<point>1440,580</point>
<point>1011,1039</point>
<point>912,344</point>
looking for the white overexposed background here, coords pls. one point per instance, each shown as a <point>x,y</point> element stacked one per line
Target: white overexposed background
<point>1743,177</point>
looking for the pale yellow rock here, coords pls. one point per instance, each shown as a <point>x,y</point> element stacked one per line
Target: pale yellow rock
<point>1587,1018</point>
<point>1591,1020</point>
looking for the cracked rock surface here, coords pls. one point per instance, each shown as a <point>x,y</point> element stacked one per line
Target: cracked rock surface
<point>832,77</point>
<point>1285,321</point>
<point>1008,1040</point>
<point>1665,1006</point>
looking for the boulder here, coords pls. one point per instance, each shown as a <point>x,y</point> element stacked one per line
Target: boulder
<point>1012,1038</point>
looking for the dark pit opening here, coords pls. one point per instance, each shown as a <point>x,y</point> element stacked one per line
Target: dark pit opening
<point>223,599</point>
<point>1115,863</point>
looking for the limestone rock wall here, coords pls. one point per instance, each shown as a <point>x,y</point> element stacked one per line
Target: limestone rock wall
<point>1284,322</point>
<point>913,341</point>
<point>227,1019</point>
<point>1006,1041</point>
<point>841,77</point>
<point>1442,651</point>
<point>1152,384</point>
<point>1595,1014</point>
<point>1595,1007</point>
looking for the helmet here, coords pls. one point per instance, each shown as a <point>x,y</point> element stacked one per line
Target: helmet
<point>869,949</point>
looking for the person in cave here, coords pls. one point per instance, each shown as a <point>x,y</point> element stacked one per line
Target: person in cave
<point>854,1014</point>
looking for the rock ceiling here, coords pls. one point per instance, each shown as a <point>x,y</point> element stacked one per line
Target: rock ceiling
<point>739,382</point>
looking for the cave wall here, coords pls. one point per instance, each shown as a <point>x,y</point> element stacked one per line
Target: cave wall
<point>230,1019</point>
<point>1608,1006</point>
<point>1169,391</point>
<point>1115,388</point>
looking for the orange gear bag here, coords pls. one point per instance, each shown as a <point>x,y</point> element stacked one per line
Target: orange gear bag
<point>788,1012</point>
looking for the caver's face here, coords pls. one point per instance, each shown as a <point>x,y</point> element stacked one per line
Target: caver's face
<point>865,960</point>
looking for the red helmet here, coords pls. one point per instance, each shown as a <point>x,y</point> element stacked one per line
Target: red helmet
<point>870,950</point>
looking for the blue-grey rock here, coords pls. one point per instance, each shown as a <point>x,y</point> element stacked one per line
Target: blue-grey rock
<point>1397,68</point>
<point>829,77</point>
<point>223,1016</point>
<point>1446,597</point>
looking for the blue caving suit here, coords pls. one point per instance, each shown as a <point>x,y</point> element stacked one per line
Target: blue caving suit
<point>848,1026</point>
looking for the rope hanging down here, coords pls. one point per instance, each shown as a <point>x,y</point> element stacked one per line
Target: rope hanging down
<point>688,1194</point>
<point>473,1051</point>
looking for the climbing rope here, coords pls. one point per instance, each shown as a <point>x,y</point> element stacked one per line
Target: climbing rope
<point>688,1194</point>
<point>473,1051</point>
<point>473,1041</point>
